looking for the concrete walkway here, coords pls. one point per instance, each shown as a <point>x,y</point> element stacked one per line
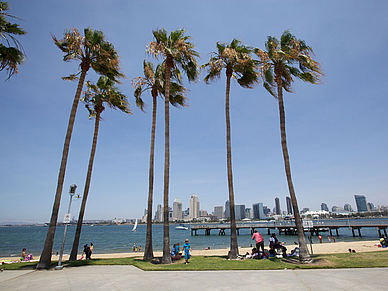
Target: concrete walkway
<point>131,278</point>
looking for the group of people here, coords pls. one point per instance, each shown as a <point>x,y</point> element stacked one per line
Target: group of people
<point>275,247</point>
<point>177,255</point>
<point>25,257</point>
<point>136,249</point>
<point>87,252</point>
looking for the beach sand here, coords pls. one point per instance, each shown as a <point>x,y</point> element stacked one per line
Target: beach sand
<point>320,248</point>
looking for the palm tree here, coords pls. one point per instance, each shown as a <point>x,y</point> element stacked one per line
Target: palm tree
<point>154,80</point>
<point>236,59</point>
<point>10,56</point>
<point>178,53</point>
<point>280,64</point>
<point>93,51</point>
<point>104,92</point>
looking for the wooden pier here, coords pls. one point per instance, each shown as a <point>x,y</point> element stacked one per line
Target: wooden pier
<point>289,228</point>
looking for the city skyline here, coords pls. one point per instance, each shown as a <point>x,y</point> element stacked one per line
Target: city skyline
<point>335,130</point>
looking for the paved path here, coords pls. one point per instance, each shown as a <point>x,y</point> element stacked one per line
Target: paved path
<point>131,278</point>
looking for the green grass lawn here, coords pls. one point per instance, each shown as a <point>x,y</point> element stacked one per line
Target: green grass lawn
<point>197,263</point>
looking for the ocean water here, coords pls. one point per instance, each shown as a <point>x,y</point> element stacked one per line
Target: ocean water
<point>120,238</point>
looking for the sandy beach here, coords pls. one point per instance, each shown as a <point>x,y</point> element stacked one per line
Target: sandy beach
<point>321,248</point>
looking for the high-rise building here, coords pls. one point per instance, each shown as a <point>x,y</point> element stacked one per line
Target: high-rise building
<point>218,212</point>
<point>324,207</point>
<point>289,206</point>
<point>258,210</point>
<point>159,213</point>
<point>240,211</point>
<point>248,213</point>
<point>194,207</point>
<point>348,207</point>
<point>266,210</point>
<point>336,209</point>
<point>177,208</point>
<point>361,203</point>
<point>277,206</point>
<point>227,210</point>
<point>371,206</point>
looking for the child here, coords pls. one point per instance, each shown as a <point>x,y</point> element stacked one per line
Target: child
<point>187,249</point>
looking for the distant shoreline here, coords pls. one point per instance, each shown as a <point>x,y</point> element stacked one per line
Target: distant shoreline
<point>320,248</point>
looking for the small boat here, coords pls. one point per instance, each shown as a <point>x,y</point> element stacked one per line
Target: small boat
<point>135,226</point>
<point>181,227</point>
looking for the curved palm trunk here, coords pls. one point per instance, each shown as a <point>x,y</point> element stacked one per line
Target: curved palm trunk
<point>233,253</point>
<point>304,256</point>
<point>166,226</point>
<point>45,258</point>
<point>148,252</point>
<point>73,254</point>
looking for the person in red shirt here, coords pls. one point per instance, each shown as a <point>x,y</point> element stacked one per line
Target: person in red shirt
<point>259,241</point>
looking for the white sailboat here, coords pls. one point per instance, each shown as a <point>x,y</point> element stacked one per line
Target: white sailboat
<point>135,226</point>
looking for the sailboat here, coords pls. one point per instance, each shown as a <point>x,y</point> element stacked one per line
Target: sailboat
<point>135,226</point>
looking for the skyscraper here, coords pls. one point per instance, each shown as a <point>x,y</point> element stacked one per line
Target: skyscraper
<point>277,206</point>
<point>177,207</point>
<point>324,207</point>
<point>258,211</point>
<point>194,207</point>
<point>218,212</point>
<point>289,205</point>
<point>240,211</point>
<point>159,213</point>
<point>361,203</point>
<point>227,210</point>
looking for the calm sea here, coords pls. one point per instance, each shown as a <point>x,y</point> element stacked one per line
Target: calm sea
<point>120,238</point>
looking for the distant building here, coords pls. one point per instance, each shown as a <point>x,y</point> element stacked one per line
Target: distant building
<point>371,206</point>
<point>240,211</point>
<point>324,207</point>
<point>177,207</point>
<point>289,205</point>
<point>266,210</point>
<point>227,210</point>
<point>203,213</point>
<point>304,210</point>
<point>348,207</point>
<point>159,213</point>
<point>248,213</point>
<point>337,209</point>
<point>277,206</point>
<point>258,211</point>
<point>218,212</point>
<point>361,203</point>
<point>194,207</point>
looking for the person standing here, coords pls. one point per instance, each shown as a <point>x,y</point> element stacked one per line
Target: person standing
<point>259,241</point>
<point>187,249</point>
<point>90,251</point>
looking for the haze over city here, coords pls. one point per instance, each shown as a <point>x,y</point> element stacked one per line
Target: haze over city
<point>336,130</point>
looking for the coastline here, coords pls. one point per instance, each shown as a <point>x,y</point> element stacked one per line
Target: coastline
<point>320,248</point>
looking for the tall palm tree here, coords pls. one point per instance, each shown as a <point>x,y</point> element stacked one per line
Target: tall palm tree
<point>11,51</point>
<point>236,59</point>
<point>280,64</point>
<point>154,81</point>
<point>96,96</point>
<point>93,51</point>
<point>177,52</point>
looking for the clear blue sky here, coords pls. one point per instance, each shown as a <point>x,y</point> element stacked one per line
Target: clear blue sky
<point>337,133</point>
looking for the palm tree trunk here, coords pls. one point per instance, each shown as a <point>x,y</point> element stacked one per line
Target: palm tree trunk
<point>233,253</point>
<point>304,256</point>
<point>148,252</point>
<point>73,254</point>
<point>45,258</point>
<point>166,227</point>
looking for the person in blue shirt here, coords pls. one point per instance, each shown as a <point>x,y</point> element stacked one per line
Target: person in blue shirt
<point>187,249</point>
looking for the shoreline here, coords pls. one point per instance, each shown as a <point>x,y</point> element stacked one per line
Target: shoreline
<point>320,248</point>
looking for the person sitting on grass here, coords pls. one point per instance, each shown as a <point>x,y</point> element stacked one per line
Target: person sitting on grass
<point>274,245</point>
